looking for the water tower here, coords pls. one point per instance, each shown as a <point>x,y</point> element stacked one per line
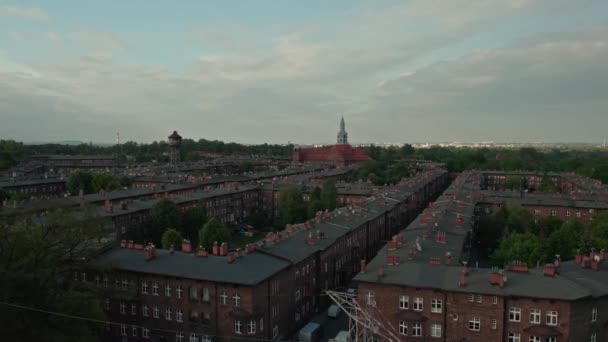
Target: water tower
<point>175,142</point>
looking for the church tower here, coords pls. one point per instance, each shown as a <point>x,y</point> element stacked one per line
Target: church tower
<point>342,135</point>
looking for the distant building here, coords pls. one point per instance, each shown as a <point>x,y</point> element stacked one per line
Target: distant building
<point>175,142</point>
<point>341,154</point>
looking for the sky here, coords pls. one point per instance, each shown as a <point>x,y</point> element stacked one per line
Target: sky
<point>286,71</point>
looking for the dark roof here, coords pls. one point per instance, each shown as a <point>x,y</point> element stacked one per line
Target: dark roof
<point>26,182</point>
<point>249,269</point>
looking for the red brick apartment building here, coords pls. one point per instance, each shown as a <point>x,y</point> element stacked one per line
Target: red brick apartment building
<point>267,291</point>
<point>421,285</point>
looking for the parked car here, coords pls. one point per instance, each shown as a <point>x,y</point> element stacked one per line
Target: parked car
<point>311,332</point>
<point>343,336</point>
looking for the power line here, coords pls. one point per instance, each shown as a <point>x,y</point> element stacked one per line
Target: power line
<point>93,320</point>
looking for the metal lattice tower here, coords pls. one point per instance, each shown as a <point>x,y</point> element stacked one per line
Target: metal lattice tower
<point>366,323</point>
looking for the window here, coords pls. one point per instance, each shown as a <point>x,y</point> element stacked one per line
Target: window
<point>236,299</point>
<point>133,309</point>
<point>551,318</point>
<point>251,327</point>
<point>179,337</point>
<point>106,281</point>
<point>193,338</point>
<point>495,300</point>
<point>125,284</point>
<point>261,324</point>
<point>206,338</point>
<point>275,332</point>
<point>205,294</point>
<point>144,287</point>
<point>155,311</point>
<point>551,339</point>
<point>471,298</point>
<point>223,298</point>
<point>193,293</point>
<point>475,324</point>
<point>134,330</point>
<point>534,339</point>
<point>179,315</point>
<point>593,314</point>
<point>370,299</point>
<point>178,292</point>
<point>123,330</point>
<point>553,213</point>
<point>417,329</point>
<point>237,327</point>
<point>97,280</point>
<point>168,290</point>
<point>168,314</point>
<point>403,328</point>
<point>436,305</point>
<point>123,308</point>
<point>578,214</point>
<point>593,338</point>
<point>535,316</point>
<point>155,289</point>
<point>493,324</point>
<point>567,213</point>
<point>404,302</point>
<point>418,303</point>
<point>479,298</point>
<point>145,333</point>
<point>435,330</point>
<point>107,304</point>
<point>297,294</point>
<point>144,310</point>
<point>514,314</point>
<point>514,337</point>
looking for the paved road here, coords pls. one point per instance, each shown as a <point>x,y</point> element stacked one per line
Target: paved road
<point>334,326</point>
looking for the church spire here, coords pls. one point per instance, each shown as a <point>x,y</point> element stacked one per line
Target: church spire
<point>342,135</point>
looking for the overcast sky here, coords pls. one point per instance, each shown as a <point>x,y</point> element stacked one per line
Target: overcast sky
<point>279,71</point>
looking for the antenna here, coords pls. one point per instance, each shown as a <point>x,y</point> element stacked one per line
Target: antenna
<point>117,138</point>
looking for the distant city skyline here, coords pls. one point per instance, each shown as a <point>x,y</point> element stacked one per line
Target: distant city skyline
<point>266,71</point>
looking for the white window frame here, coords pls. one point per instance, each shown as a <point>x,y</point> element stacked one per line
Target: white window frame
<point>155,289</point>
<point>370,298</point>
<point>134,331</point>
<point>179,315</point>
<point>178,292</point>
<point>471,298</point>
<point>145,332</point>
<point>534,339</point>
<point>514,314</point>
<point>551,318</point>
<point>237,327</point>
<point>155,312</point>
<point>145,310</point>
<point>179,337</point>
<point>144,287</point>
<point>436,306</point>
<point>535,316</point>
<point>123,330</point>
<point>475,324</point>
<point>404,302</point>
<point>403,328</point>
<point>193,337</point>
<point>514,337</point>
<point>168,314</point>
<point>236,299</point>
<point>479,299</point>
<point>124,284</point>
<point>495,300</point>
<point>417,329</point>
<point>133,309</point>
<point>167,290</point>
<point>594,315</point>
<point>593,338</point>
<point>223,298</point>
<point>436,330</point>
<point>418,304</point>
<point>493,324</point>
<point>251,327</point>
<point>123,308</point>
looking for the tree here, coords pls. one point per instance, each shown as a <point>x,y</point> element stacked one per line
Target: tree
<point>292,208</point>
<point>37,267</point>
<point>246,166</point>
<point>523,247</point>
<point>565,240</point>
<point>163,215</point>
<point>211,232</point>
<point>547,185</point>
<point>192,221</point>
<point>512,183</point>
<point>105,181</point>
<point>315,204</point>
<point>329,195</point>
<point>171,237</point>
<point>80,180</point>
<point>125,182</point>
<point>547,225</point>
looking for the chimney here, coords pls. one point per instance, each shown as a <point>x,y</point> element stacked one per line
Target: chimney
<point>579,257</point>
<point>435,261</point>
<point>216,249</point>
<point>381,272</point>
<point>186,246</point>
<point>311,240</point>
<point>390,260</point>
<point>123,244</point>
<point>586,262</point>
<point>363,265</point>
<point>124,205</point>
<point>448,258</point>
<point>172,249</point>
<point>549,270</point>
<point>392,245</point>
<point>138,246</point>
<point>149,252</point>
<point>224,249</point>
<point>519,266</point>
<point>463,276</point>
<point>130,245</point>
<point>497,278</point>
<point>231,258</point>
<point>201,252</point>
<point>238,253</point>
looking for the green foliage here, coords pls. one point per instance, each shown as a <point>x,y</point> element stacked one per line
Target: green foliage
<point>105,181</point>
<point>565,240</point>
<point>192,221</point>
<point>292,208</point>
<point>125,182</point>
<point>163,215</point>
<point>315,204</point>
<point>211,232</point>
<point>547,185</point>
<point>37,265</point>
<point>246,166</point>
<point>547,225</point>
<point>510,218</point>
<point>80,180</point>
<point>523,247</point>
<point>260,221</point>
<point>329,195</point>
<point>513,183</point>
<point>171,237</point>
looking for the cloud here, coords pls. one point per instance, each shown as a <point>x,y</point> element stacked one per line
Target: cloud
<point>98,41</point>
<point>36,37</point>
<point>29,13</point>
